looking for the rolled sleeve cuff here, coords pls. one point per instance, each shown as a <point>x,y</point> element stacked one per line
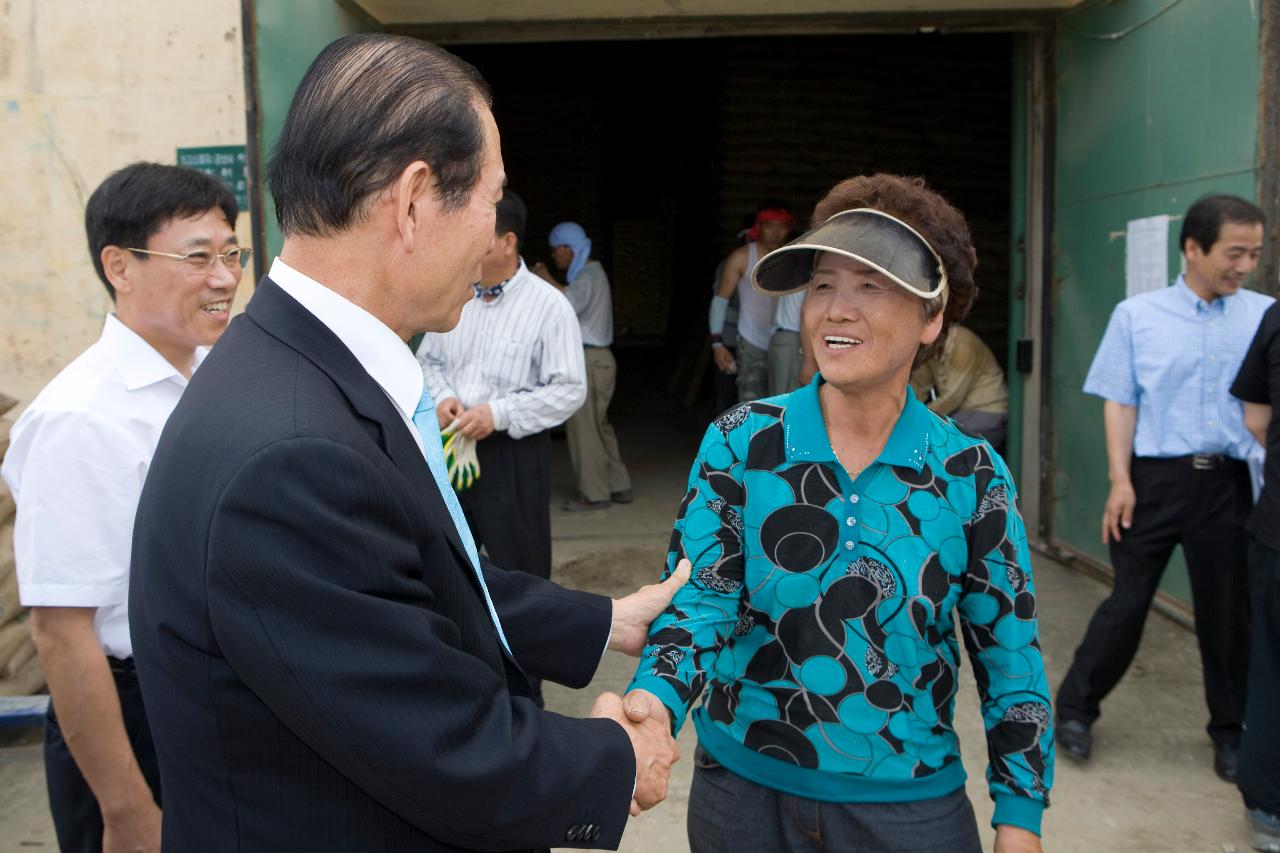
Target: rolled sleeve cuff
<point>501,415</point>
<point>1022,812</point>
<point>666,694</point>
<point>72,594</point>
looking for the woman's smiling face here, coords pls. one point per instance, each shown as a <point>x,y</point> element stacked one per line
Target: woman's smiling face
<point>863,329</point>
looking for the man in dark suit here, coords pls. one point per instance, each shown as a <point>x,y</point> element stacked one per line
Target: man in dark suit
<point>329,663</point>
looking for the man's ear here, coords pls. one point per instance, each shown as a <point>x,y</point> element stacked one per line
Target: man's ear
<point>1191,248</point>
<point>413,201</point>
<point>117,264</point>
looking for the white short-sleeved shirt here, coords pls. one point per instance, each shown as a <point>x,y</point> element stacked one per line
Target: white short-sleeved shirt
<point>76,462</point>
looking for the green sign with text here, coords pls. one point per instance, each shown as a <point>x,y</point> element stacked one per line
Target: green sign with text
<point>225,162</point>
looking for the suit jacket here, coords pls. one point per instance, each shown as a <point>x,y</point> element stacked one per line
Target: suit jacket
<point>318,665</point>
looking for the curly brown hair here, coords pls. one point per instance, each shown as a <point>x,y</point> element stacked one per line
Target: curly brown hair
<point>937,220</point>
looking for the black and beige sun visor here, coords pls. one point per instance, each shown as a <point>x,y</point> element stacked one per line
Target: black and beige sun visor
<point>877,239</point>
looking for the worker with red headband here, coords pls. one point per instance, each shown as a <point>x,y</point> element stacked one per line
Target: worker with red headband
<point>757,311</point>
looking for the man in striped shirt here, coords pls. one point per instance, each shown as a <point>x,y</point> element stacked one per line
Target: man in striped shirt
<point>510,371</point>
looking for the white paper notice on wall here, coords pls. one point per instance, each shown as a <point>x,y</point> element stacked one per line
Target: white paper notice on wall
<point>1146,255</point>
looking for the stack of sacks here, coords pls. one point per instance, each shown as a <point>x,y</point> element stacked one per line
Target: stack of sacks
<point>20,673</point>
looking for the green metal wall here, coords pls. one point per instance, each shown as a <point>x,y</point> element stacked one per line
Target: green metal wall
<point>288,34</point>
<point>1157,103</point>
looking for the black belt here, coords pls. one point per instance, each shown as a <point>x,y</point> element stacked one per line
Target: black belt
<point>1199,461</point>
<point>592,346</point>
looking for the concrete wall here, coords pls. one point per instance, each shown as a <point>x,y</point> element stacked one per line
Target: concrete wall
<point>85,88</point>
<point>1153,111</point>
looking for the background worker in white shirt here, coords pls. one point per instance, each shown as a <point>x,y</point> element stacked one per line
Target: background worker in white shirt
<point>162,240</point>
<point>602,477</point>
<point>757,312</point>
<point>510,371</point>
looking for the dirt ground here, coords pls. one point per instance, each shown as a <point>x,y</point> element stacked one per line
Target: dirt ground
<point>1149,787</point>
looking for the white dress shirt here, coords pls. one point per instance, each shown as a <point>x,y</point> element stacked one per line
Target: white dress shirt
<point>77,459</point>
<point>521,354</point>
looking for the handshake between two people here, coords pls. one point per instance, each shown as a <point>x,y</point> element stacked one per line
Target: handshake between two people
<point>641,714</point>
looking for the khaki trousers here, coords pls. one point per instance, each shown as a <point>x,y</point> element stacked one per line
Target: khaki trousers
<point>784,362</point>
<point>593,445</point>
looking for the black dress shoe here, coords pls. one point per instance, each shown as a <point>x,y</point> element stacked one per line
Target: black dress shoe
<point>1075,738</point>
<point>622,497</point>
<point>1226,760</point>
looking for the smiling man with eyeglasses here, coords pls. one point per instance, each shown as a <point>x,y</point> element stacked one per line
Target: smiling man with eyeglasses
<point>162,241</point>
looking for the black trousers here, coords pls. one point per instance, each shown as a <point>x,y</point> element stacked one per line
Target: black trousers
<point>1205,512</point>
<point>509,507</point>
<point>77,819</point>
<point>1260,746</point>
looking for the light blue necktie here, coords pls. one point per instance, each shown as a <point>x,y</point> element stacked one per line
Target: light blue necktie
<point>428,425</point>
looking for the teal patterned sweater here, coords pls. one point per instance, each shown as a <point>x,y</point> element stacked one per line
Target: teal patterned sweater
<point>819,628</point>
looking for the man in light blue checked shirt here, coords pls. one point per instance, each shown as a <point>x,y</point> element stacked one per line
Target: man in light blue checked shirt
<point>1176,445</point>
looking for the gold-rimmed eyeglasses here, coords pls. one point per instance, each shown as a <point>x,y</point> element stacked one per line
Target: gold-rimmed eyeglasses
<point>203,260</point>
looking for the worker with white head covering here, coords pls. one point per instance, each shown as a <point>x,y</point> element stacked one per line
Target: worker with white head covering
<point>593,446</point>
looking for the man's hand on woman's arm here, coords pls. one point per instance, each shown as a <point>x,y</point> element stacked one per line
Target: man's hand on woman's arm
<point>633,614</point>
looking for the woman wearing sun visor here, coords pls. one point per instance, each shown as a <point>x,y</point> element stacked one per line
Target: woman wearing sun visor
<point>838,535</point>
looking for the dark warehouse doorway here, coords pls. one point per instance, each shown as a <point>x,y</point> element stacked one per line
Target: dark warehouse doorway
<point>659,147</point>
